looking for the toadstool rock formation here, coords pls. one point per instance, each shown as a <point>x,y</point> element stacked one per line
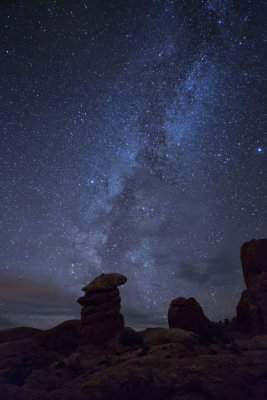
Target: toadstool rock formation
<point>252,307</point>
<point>101,319</point>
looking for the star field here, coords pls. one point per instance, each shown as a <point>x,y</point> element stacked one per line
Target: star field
<point>132,141</point>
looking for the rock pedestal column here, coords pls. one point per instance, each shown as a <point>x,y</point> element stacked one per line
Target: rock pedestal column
<point>101,319</point>
<point>252,307</point>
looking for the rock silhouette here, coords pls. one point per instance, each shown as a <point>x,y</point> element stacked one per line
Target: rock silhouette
<point>101,319</point>
<point>187,314</point>
<point>252,307</point>
<point>97,358</point>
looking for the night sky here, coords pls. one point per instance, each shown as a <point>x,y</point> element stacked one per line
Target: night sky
<point>132,141</point>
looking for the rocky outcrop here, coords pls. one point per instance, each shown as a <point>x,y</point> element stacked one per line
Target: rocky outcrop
<point>252,308</point>
<point>101,319</point>
<point>187,314</point>
<point>169,365</point>
<point>23,350</point>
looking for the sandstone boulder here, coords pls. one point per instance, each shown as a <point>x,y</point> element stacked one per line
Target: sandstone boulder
<point>187,314</point>
<point>158,336</point>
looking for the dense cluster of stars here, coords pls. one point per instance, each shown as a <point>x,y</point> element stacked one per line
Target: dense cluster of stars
<point>132,141</point>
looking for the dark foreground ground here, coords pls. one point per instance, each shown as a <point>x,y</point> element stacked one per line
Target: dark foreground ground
<point>154,364</point>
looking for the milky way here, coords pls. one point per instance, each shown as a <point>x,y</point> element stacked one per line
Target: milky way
<point>132,141</point>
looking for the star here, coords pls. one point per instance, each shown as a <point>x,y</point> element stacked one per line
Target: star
<point>128,152</point>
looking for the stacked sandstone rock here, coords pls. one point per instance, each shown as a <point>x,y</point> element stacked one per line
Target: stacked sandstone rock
<point>252,307</point>
<point>101,319</point>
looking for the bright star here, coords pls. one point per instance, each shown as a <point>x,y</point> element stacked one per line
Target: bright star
<point>259,149</point>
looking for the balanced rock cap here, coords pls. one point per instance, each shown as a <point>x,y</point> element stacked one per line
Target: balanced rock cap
<point>105,282</point>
